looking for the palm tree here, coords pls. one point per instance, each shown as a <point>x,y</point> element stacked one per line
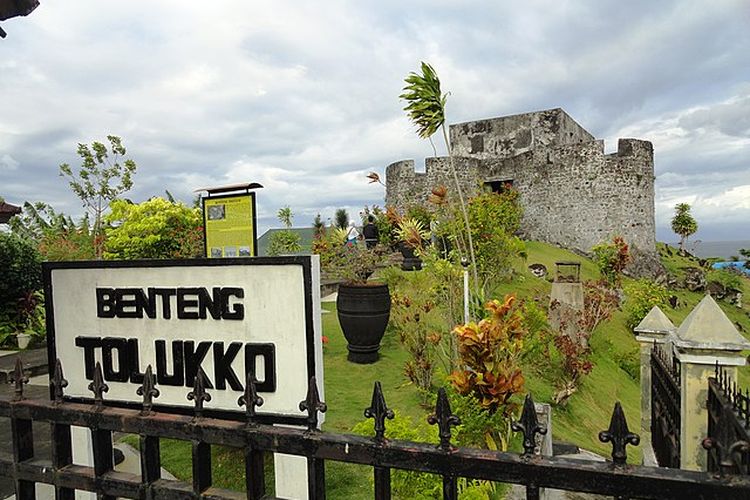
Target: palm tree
<point>683,223</point>
<point>426,109</point>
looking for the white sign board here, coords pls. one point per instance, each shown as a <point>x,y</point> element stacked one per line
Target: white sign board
<point>228,317</point>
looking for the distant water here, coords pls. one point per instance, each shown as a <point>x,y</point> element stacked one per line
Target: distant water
<point>723,249</point>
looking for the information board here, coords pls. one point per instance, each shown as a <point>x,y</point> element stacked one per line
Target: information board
<point>228,317</point>
<point>229,223</point>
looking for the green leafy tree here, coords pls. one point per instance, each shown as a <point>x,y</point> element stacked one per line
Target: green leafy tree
<point>426,109</point>
<point>154,229</point>
<point>56,236</point>
<point>103,176</point>
<point>284,241</point>
<point>341,218</point>
<point>683,223</point>
<point>318,226</point>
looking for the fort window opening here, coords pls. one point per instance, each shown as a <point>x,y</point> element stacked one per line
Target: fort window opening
<point>498,186</point>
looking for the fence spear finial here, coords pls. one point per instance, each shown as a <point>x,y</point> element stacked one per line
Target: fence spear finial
<point>619,435</point>
<point>18,378</point>
<point>58,382</point>
<point>379,411</point>
<point>444,419</point>
<point>98,386</point>
<point>312,404</point>
<point>250,399</point>
<point>148,390</point>
<point>529,425</point>
<point>199,394</point>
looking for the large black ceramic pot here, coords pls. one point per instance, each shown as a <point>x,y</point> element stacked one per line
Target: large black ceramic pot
<point>411,262</point>
<point>363,312</point>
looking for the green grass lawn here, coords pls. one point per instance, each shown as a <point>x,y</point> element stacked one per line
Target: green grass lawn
<point>348,386</point>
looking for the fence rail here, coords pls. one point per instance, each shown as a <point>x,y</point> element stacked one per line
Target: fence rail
<point>614,477</point>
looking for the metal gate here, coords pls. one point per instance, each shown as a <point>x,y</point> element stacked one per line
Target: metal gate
<point>665,407</point>
<point>728,441</point>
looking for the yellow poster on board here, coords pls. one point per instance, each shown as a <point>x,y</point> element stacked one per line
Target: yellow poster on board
<point>230,225</point>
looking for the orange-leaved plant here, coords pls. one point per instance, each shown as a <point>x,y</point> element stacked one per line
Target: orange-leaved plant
<point>489,351</point>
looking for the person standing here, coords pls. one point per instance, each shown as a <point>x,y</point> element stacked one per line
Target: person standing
<point>370,232</point>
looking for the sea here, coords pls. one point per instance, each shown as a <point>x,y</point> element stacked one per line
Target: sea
<point>721,249</point>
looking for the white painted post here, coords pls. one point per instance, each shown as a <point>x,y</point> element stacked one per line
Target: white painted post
<point>290,471</point>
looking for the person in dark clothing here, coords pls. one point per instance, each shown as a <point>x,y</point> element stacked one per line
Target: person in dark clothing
<point>370,232</point>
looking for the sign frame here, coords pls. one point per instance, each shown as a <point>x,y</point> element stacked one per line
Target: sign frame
<point>309,282</point>
<point>251,194</point>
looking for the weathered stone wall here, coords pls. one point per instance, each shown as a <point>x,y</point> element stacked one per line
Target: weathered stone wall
<point>573,195</point>
<point>498,138</point>
<point>405,187</point>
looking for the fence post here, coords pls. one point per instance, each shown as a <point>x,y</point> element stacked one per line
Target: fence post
<point>653,329</point>
<point>705,338</point>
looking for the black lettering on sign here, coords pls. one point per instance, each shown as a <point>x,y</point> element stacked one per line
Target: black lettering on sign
<point>120,345</point>
<point>105,303</point>
<point>193,359</point>
<point>268,352</point>
<point>223,371</point>
<point>136,375</point>
<point>89,362</point>
<point>121,362</point>
<point>191,302</point>
<point>125,306</point>
<point>165,294</point>
<point>178,374</point>
<point>237,310</point>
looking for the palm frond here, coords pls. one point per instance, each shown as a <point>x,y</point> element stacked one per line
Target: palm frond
<point>425,104</point>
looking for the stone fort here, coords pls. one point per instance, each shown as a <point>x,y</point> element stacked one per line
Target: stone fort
<point>573,194</point>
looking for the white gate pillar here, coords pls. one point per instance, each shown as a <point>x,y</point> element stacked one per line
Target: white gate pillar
<point>705,338</point>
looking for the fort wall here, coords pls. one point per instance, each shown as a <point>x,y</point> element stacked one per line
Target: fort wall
<point>573,194</point>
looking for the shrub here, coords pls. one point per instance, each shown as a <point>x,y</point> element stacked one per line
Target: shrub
<point>494,218</point>
<point>611,258</point>
<point>489,352</point>
<point>418,324</point>
<point>154,229</point>
<point>640,297</point>
<point>21,267</point>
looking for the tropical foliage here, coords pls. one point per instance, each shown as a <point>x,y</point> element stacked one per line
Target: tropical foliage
<point>284,241</point>
<point>154,229</point>
<point>425,106</point>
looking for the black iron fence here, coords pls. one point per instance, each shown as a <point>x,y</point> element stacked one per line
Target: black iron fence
<point>728,443</point>
<point>614,477</point>
<point>665,407</point>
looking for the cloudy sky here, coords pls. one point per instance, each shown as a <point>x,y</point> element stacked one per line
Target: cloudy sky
<point>303,96</point>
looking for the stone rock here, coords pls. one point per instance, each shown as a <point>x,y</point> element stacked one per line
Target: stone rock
<point>674,301</point>
<point>716,289</point>
<point>734,297</point>
<point>538,270</point>
<point>695,279</point>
